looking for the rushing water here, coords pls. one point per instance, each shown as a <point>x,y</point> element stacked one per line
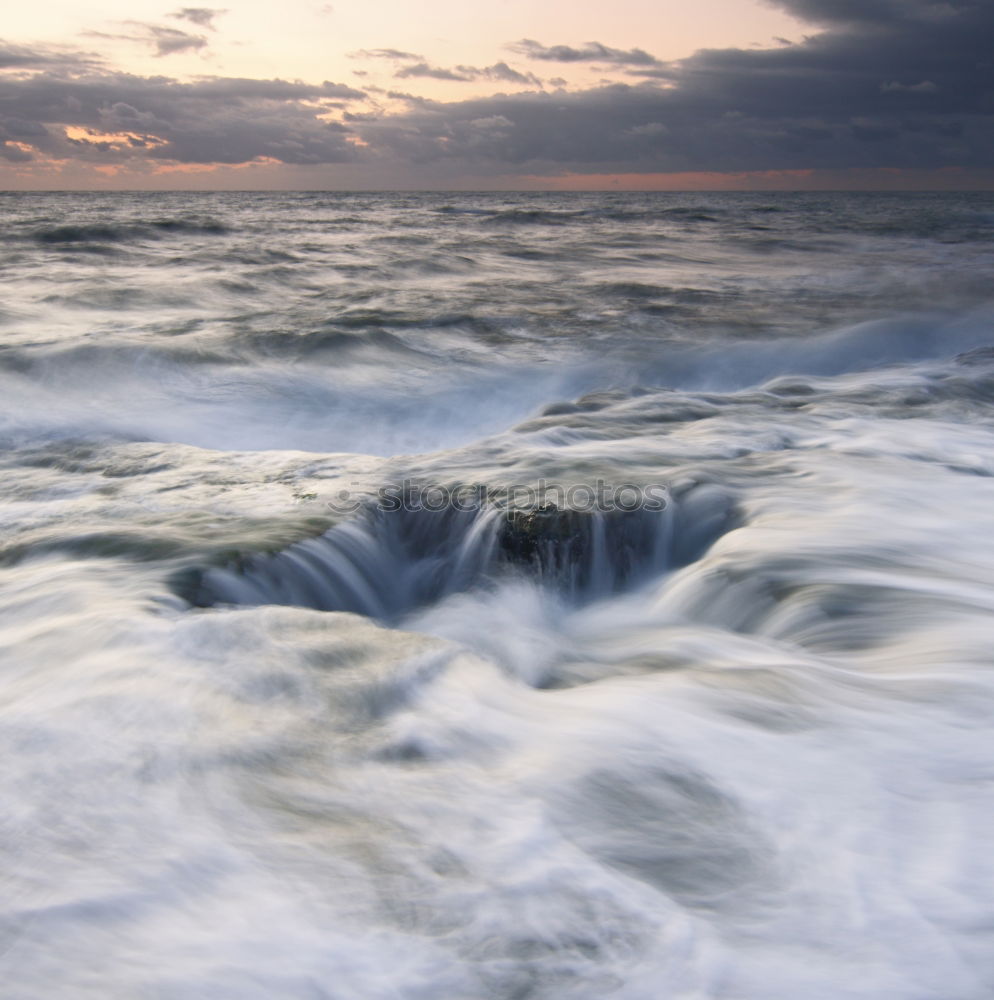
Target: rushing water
<point>262,739</point>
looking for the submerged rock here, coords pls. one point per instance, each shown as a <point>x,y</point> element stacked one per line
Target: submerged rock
<point>385,564</point>
<point>526,535</point>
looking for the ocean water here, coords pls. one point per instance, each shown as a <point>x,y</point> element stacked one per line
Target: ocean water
<point>263,738</point>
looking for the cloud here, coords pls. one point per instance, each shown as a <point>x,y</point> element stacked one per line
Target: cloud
<point>924,87</point>
<point>868,12</point>
<point>419,67</point>
<point>649,128</point>
<point>164,41</point>
<point>466,74</point>
<point>203,17</point>
<point>879,84</point>
<point>168,41</point>
<point>14,154</point>
<point>114,117</point>
<point>397,54</point>
<point>591,52</point>
<point>22,57</point>
<point>423,69</point>
<point>491,123</point>
<point>501,71</point>
<point>907,85</point>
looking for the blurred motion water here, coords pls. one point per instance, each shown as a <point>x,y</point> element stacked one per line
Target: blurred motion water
<point>260,746</point>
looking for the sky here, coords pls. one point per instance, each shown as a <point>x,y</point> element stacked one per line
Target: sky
<point>509,95</point>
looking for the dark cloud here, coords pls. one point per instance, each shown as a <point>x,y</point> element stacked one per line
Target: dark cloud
<point>203,17</point>
<point>413,99</point>
<point>164,41</point>
<point>213,120</point>
<point>419,67</point>
<point>241,89</point>
<point>882,84</point>
<point>397,54</point>
<point>866,12</point>
<point>14,154</point>
<point>904,85</point>
<point>168,41</point>
<point>22,57</point>
<point>501,71</point>
<point>925,87</point>
<point>423,69</point>
<point>15,134</point>
<point>876,67</point>
<point>466,74</point>
<point>591,52</point>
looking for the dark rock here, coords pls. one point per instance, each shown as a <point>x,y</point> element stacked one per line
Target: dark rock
<point>526,536</point>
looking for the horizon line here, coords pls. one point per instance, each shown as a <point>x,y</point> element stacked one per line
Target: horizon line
<point>566,191</point>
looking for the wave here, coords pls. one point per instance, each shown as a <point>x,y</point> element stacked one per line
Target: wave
<point>102,233</point>
<point>357,386</point>
<point>560,217</point>
<point>461,210</point>
<point>732,365</point>
<point>537,217</point>
<point>386,564</point>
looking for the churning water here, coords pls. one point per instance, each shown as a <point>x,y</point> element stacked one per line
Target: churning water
<point>263,739</point>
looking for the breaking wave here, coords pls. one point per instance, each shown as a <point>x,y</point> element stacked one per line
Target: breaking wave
<point>103,233</point>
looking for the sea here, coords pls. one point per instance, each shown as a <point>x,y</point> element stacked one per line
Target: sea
<point>488,596</point>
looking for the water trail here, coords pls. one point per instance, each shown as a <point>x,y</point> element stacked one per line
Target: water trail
<point>387,564</point>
